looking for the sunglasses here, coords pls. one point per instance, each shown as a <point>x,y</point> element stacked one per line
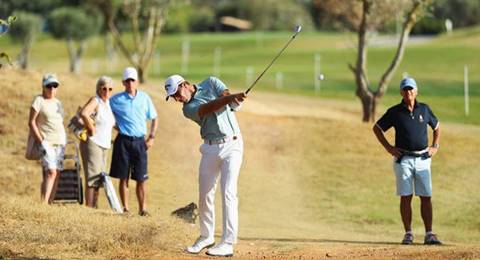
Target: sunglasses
<point>105,89</point>
<point>51,86</point>
<point>407,88</point>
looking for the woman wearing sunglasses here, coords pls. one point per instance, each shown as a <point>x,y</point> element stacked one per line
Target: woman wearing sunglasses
<point>46,126</point>
<point>99,121</point>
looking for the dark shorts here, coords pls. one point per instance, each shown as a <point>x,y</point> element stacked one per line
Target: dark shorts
<point>129,156</point>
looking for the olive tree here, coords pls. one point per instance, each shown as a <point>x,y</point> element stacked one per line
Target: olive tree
<point>365,17</point>
<point>145,19</point>
<point>24,32</point>
<point>369,97</point>
<point>74,25</point>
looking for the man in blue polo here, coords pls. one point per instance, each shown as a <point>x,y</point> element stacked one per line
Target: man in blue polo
<point>132,108</point>
<point>412,155</point>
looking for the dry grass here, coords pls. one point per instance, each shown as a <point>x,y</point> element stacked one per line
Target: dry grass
<point>314,182</point>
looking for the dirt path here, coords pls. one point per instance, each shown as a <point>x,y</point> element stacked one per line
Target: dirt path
<point>332,249</point>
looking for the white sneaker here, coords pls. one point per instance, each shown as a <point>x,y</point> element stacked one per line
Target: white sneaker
<point>200,244</point>
<point>222,249</point>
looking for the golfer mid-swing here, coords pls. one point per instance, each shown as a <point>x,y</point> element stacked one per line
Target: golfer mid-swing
<point>211,106</point>
<point>412,155</point>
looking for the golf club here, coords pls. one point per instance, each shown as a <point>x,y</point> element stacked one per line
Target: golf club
<point>297,30</point>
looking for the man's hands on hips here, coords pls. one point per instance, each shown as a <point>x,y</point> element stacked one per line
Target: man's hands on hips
<point>393,151</point>
<point>432,151</point>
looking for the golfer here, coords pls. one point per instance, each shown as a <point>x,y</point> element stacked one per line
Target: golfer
<point>210,105</point>
<point>412,155</point>
<point>132,108</point>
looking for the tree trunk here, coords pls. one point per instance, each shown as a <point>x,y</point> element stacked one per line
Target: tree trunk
<point>369,98</point>
<point>75,55</point>
<point>141,75</point>
<point>23,57</point>
<point>144,45</point>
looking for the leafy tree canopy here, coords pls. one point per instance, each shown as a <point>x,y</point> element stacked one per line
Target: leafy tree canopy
<point>74,23</point>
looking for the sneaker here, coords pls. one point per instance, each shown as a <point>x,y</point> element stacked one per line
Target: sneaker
<point>431,239</point>
<point>407,239</point>
<point>144,213</point>
<point>222,249</point>
<point>200,244</point>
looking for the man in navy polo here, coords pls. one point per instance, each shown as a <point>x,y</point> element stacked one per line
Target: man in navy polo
<point>132,108</point>
<point>412,155</point>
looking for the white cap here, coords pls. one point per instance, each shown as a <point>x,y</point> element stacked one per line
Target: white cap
<point>130,73</point>
<point>171,84</point>
<point>49,78</point>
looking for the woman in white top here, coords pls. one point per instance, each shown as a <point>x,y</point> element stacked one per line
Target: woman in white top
<point>99,121</point>
<point>46,126</point>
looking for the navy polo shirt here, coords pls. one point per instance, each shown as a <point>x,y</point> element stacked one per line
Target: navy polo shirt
<point>410,127</point>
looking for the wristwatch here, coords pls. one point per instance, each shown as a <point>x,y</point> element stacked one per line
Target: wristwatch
<point>436,145</point>
<point>151,136</point>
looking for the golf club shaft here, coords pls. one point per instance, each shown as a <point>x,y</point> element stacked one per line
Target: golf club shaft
<point>269,65</point>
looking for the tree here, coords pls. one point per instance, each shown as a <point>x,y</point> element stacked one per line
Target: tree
<point>368,97</point>
<point>74,25</point>
<point>24,31</point>
<point>146,19</point>
<point>365,16</point>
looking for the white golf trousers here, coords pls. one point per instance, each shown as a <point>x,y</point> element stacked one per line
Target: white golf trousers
<point>225,160</point>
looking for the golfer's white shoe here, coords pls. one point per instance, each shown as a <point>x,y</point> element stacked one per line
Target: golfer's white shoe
<point>200,244</point>
<point>222,249</point>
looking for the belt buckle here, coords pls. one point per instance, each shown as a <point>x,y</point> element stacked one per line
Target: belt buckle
<point>222,140</point>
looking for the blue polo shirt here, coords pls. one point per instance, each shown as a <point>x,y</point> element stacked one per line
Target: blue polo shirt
<point>217,125</point>
<point>132,112</point>
<point>410,127</point>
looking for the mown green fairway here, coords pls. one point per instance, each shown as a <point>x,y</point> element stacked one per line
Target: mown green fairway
<point>436,64</point>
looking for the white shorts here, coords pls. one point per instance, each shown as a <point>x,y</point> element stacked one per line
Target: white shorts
<point>55,161</point>
<point>413,171</point>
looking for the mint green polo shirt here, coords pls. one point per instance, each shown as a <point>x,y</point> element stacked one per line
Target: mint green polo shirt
<point>217,125</point>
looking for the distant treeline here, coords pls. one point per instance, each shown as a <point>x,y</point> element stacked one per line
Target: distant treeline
<point>206,15</point>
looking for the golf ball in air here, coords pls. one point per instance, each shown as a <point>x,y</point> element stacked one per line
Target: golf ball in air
<point>321,77</point>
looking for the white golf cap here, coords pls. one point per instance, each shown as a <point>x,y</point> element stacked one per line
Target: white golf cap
<point>171,84</point>
<point>130,73</point>
<point>49,78</point>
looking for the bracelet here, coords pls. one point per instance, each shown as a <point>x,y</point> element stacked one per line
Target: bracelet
<point>151,136</point>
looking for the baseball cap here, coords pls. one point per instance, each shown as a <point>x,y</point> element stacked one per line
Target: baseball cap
<point>171,84</point>
<point>408,82</point>
<point>130,73</point>
<point>49,78</point>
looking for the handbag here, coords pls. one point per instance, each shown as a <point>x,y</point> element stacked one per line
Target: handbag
<point>33,148</point>
<point>77,126</point>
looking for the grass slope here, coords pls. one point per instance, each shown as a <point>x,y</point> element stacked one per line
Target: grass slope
<point>314,183</point>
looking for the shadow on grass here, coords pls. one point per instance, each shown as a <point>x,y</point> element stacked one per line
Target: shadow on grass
<point>315,240</point>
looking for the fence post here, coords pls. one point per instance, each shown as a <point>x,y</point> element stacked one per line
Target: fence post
<point>465,89</point>
<point>217,56</point>
<point>316,73</point>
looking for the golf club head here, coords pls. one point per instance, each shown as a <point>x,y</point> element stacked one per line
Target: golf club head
<point>298,28</point>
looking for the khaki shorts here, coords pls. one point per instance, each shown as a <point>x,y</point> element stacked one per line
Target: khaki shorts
<point>94,160</point>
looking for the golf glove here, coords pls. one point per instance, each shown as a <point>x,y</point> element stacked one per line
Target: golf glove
<point>235,106</point>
